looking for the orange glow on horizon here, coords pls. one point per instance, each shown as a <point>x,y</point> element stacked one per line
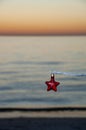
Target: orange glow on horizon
<point>51,19</point>
<point>42,28</point>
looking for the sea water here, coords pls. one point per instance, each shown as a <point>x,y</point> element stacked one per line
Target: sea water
<point>26,62</point>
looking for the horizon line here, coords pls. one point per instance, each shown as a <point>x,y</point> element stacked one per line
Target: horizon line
<point>84,34</point>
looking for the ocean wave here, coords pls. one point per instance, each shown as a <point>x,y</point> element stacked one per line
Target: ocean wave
<point>69,73</point>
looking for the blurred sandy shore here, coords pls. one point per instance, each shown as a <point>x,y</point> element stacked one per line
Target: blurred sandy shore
<point>59,114</point>
<point>62,112</point>
<point>43,119</point>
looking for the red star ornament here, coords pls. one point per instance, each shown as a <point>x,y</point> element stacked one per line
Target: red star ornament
<point>52,84</point>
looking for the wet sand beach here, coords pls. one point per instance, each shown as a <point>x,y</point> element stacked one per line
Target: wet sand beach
<point>43,124</point>
<point>43,119</point>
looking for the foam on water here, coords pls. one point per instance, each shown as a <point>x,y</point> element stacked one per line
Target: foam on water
<point>69,73</point>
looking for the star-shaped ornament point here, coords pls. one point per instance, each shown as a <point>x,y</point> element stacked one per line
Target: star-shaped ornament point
<point>52,84</point>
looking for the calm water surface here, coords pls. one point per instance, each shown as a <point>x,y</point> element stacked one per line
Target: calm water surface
<point>27,62</point>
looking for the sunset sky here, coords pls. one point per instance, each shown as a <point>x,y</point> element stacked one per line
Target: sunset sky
<point>42,17</point>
